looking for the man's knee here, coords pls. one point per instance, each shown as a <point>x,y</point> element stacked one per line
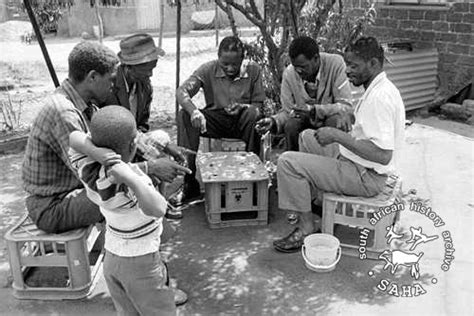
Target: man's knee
<point>306,137</point>
<point>285,161</point>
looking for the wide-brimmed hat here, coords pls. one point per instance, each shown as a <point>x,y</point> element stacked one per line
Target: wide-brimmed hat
<point>138,49</point>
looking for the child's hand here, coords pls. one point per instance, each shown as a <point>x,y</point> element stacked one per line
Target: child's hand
<point>107,157</point>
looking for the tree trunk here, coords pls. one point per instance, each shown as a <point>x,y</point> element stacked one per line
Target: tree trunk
<point>101,25</point>
<point>230,15</point>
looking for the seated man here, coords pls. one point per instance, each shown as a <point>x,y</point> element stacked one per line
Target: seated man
<point>314,91</point>
<point>56,199</point>
<point>132,87</point>
<point>233,93</point>
<point>332,160</point>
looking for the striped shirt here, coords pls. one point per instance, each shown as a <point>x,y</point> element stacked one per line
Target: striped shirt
<point>130,232</point>
<point>46,167</point>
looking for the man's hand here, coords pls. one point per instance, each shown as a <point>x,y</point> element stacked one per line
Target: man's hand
<point>236,108</point>
<point>327,135</point>
<point>175,152</point>
<point>264,125</point>
<point>309,112</point>
<point>341,121</point>
<point>198,120</point>
<point>165,169</point>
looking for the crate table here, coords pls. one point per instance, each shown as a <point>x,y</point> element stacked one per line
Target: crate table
<point>236,188</point>
<point>222,144</point>
<point>352,213</point>
<point>30,247</point>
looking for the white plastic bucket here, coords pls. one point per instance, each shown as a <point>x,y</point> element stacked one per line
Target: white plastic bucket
<point>321,252</point>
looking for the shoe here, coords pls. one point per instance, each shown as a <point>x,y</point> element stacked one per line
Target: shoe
<point>291,243</point>
<point>180,297</point>
<point>188,192</point>
<point>173,212</point>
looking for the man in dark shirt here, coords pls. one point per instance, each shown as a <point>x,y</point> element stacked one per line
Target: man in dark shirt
<point>233,93</point>
<point>132,88</point>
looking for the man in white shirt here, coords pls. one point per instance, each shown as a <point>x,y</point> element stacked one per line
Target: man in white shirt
<point>355,163</point>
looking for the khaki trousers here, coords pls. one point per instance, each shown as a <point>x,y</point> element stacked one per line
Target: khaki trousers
<point>304,175</point>
<point>137,285</point>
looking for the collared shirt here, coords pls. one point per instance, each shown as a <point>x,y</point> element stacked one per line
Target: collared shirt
<point>137,98</point>
<point>380,118</point>
<point>132,96</point>
<point>46,167</point>
<point>220,91</point>
<point>130,232</point>
<point>333,93</point>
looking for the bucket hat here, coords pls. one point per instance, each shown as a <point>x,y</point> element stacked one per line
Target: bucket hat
<point>138,49</point>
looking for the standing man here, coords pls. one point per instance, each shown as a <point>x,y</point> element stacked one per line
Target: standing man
<point>132,88</point>
<point>233,92</point>
<point>355,163</point>
<point>314,93</point>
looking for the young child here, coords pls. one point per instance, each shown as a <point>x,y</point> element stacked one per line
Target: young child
<point>133,209</point>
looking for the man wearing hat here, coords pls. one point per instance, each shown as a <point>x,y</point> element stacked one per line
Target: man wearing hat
<point>138,57</point>
<point>132,89</point>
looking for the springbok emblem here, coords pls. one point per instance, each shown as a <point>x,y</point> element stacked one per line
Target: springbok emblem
<point>395,258</point>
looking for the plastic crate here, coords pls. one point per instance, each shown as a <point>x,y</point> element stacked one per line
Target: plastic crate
<point>31,249</point>
<point>222,144</point>
<point>345,216</point>
<point>236,188</point>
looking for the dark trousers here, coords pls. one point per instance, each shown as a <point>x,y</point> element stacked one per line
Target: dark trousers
<point>63,212</point>
<point>293,127</point>
<point>219,124</point>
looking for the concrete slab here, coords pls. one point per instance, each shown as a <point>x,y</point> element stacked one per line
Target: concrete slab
<point>236,271</point>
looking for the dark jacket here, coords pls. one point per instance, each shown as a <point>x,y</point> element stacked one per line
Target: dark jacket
<point>119,96</point>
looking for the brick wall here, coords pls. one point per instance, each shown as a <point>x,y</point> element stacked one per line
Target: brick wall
<point>448,28</point>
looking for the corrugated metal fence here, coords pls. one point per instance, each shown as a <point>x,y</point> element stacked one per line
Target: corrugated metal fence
<point>414,74</point>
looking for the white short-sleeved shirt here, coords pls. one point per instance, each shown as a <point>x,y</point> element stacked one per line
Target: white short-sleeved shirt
<point>380,118</point>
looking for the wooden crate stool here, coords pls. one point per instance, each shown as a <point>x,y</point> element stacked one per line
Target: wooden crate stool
<point>30,247</point>
<point>352,214</point>
<point>236,188</point>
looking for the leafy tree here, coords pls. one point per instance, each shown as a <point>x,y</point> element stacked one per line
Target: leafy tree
<point>283,20</point>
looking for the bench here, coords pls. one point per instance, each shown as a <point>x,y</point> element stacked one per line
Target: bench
<point>32,250</point>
